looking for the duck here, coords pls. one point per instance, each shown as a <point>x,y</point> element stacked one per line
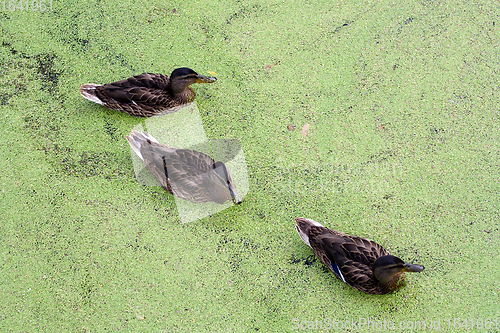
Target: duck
<point>147,94</point>
<point>187,174</point>
<point>357,261</point>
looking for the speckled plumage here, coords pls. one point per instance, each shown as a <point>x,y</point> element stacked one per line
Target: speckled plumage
<point>185,173</point>
<point>147,94</point>
<point>353,259</point>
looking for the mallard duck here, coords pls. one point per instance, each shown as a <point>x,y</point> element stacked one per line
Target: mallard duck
<point>357,261</point>
<point>147,94</point>
<point>185,173</point>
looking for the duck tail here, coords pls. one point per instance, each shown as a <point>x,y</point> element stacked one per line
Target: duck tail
<point>88,92</point>
<point>303,226</point>
<point>136,139</point>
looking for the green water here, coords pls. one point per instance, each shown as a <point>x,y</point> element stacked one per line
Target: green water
<point>401,99</point>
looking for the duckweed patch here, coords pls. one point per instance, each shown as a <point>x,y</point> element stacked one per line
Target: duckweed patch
<point>48,74</point>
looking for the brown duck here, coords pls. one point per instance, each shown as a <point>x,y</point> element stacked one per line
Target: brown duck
<point>185,173</point>
<point>147,94</point>
<point>357,261</point>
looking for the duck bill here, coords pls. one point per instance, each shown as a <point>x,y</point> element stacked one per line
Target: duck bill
<point>205,79</point>
<point>234,196</point>
<point>413,268</point>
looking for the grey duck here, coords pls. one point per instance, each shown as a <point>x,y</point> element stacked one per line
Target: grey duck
<point>185,173</point>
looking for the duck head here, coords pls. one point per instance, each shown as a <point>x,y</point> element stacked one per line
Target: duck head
<point>183,77</point>
<point>224,176</point>
<point>387,269</point>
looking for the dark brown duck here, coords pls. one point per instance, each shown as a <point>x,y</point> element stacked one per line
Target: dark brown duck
<point>147,94</point>
<point>359,262</point>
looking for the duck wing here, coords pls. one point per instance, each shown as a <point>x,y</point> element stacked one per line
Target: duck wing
<point>146,88</point>
<point>187,174</point>
<point>351,259</point>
